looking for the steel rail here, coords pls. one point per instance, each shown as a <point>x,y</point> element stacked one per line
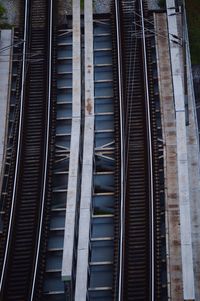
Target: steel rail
<point>122,182</point>
<point>46,148</point>
<point>150,156</point>
<point>18,147</point>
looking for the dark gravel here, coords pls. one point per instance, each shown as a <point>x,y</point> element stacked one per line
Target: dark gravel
<point>12,11</point>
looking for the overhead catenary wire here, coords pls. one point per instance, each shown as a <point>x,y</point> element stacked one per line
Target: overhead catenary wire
<point>155,32</point>
<point>130,80</point>
<point>12,45</point>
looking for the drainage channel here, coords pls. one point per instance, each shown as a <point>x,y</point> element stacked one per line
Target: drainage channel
<point>53,285</point>
<point>101,244</point>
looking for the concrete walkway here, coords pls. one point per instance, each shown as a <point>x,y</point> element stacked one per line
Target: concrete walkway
<point>181,152</point>
<point>194,182</point>
<point>182,156</point>
<point>87,169</point>
<point>173,240</point>
<point>5,77</point>
<point>194,167</point>
<point>70,220</point>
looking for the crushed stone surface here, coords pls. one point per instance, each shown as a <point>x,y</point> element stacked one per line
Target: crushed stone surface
<point>12,11</point>
<point>64,8</point>
<point>102,6</point>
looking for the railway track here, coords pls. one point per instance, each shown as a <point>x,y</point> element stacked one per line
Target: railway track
<point>12,128</point>
<point>137,263</point>
<point>126,260</point>
<point>24,222</point>
<point>138,255</point>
